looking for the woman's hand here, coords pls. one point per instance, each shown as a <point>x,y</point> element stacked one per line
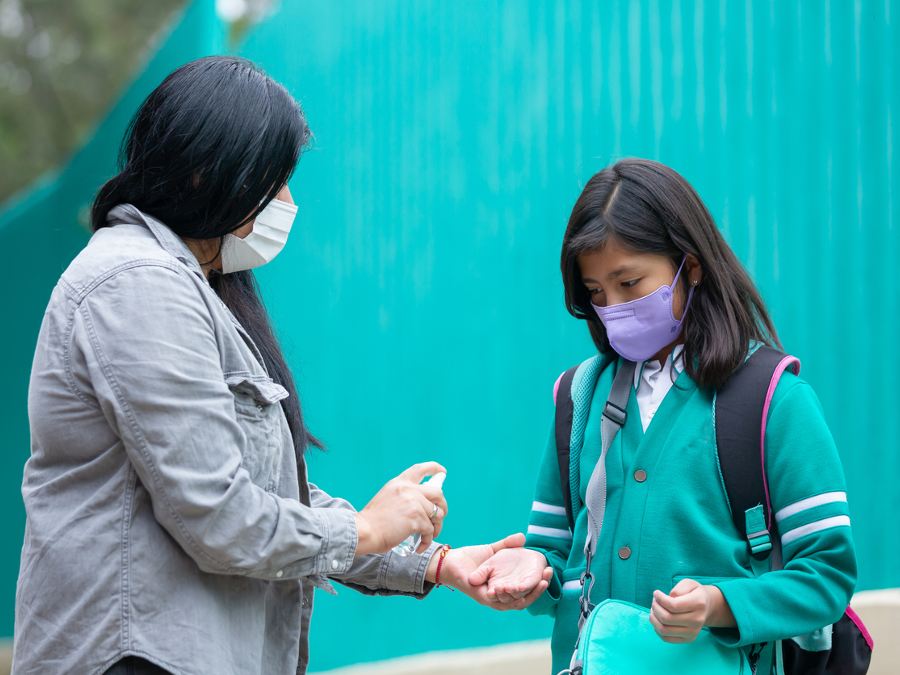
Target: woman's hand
<point>459,570</point>
<point>679,616</point>
<point>400,508</point>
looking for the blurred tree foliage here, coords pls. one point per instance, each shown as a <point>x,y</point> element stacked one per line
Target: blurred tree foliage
<point>62,63</point>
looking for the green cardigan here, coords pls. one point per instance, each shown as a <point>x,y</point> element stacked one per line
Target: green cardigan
<point>676,522</point>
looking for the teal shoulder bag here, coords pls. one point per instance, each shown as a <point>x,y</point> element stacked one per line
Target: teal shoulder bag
<point>618,638</point>
<point>615,636</point>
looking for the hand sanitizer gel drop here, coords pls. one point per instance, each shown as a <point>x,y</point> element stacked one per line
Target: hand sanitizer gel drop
<point>409,545</point>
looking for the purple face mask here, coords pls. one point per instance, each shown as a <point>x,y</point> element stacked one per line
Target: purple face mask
<point>639,329</point>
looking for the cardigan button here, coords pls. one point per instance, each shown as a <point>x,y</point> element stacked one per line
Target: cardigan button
<point>624,553</point>
<point>640,475</point>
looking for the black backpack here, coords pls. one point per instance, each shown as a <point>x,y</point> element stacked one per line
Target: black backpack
<point>742,407</point>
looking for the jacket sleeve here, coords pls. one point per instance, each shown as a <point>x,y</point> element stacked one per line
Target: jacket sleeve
<point>548,527</point>
<point>809,501</point>
<point>388,574</point>
<point>152,356</point>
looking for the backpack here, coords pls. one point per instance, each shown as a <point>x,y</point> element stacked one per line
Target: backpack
<point>741,412</point>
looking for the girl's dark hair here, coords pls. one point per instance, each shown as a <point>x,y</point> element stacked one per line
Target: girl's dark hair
<point>205,153</point>
<point>646,207</point>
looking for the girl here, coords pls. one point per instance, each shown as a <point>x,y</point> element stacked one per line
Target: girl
<point>668,541</point>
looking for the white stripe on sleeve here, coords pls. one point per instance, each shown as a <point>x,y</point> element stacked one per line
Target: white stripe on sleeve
<point>809,528</point>
<point>811,502</point>
<point>548,508</point>
<point>549,532</point>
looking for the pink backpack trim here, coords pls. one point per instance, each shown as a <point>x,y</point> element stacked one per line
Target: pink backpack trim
<point>787,361</point>
<point>854,617</point>
<point>556,387</point>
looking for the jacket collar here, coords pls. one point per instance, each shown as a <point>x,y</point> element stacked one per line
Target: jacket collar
<point>168,240</point>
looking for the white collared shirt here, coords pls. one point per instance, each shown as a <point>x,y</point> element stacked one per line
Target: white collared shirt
<point>652,382</point>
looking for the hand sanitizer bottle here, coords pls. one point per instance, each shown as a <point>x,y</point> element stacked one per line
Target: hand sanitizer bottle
<point>409,545</point>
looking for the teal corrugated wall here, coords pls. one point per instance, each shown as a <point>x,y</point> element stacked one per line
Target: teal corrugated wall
<point>420,297</point>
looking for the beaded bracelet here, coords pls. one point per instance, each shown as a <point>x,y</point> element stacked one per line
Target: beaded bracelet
<point>437,574</point>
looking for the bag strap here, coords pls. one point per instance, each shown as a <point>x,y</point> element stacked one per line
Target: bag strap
<point>614,417</point>
<point>565,410</point>
<point>741,411</point>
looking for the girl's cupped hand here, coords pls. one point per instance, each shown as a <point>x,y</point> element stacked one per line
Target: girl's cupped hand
<point>512,575</point>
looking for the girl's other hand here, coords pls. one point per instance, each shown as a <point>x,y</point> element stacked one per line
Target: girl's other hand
<point>679,616</point>
<point>512,574</point>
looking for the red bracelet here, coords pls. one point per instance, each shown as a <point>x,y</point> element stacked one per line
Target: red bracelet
<point>437,575</point>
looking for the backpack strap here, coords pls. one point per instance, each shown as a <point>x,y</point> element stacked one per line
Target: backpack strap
<point>565,409</point>
<point>613,419</point>
<point>741,412</point>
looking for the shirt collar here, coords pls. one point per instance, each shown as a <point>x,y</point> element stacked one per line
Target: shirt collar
<point>168,240</point>
<point>674,361</point>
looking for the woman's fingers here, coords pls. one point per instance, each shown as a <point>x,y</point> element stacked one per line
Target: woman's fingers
<point>512,541</point>
<point>431,503</point>
<point>428,507</point>
<point>438,521</point>
<point>417,472</point>
<point>482,574</point>
<point>434,495</point>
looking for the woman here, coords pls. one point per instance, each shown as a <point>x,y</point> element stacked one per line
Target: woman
<point>171,527</point>
<point>646,267</point>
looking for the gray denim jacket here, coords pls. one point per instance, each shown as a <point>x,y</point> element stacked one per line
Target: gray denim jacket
<point>165,517</point>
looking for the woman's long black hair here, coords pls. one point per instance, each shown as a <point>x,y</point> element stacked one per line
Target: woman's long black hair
<point>205,153</point>
<point>646,207</point>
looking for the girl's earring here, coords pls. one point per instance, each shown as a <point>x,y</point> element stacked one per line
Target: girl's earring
<point>695,282</point>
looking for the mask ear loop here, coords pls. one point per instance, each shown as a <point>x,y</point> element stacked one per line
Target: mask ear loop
<point>684,313</point>
<point>690,291</point>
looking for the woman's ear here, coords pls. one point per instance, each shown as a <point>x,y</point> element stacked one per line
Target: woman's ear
<point>693,270</point>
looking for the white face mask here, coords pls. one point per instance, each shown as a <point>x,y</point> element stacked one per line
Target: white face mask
<point>269,235</point>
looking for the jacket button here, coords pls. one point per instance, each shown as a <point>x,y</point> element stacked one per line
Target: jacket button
<point>335,564</point>
<point>640,475</point>
<point>305,602</point>
<point>260,408</point>
<point>624,553</point>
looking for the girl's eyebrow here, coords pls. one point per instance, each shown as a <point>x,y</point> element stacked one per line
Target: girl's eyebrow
<point>627,269</point>
<point>622,271</point>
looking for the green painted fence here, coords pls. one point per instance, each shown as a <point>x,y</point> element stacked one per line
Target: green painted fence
<point>420,298</point>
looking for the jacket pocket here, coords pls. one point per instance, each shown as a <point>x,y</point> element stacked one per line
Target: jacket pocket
<point>259,416</point>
